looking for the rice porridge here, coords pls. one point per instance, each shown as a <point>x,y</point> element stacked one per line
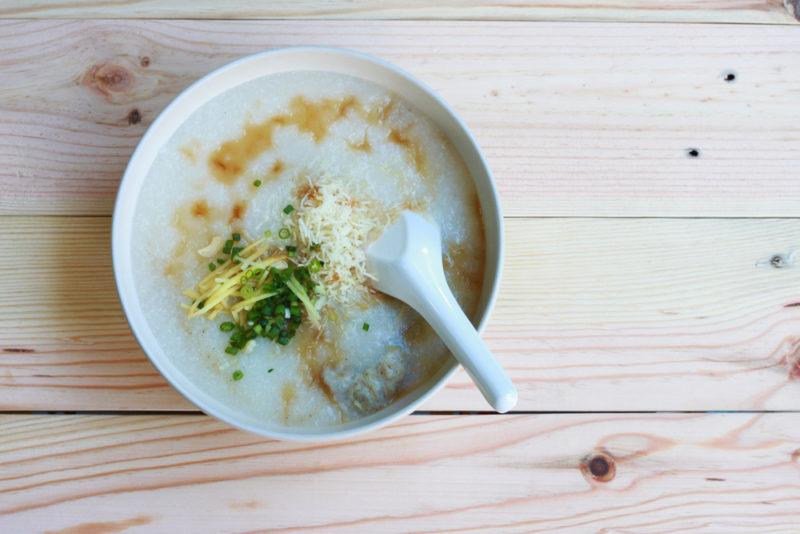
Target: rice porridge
<point>249,238</point>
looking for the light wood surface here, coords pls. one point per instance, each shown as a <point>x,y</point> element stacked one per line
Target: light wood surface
<point>580,122</point>
<point>671,472</point>
<point>742,11</point>
<point>579,119</point>
<point>593,314</point>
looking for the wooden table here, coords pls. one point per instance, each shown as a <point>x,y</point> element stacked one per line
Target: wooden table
<point>650,310</point>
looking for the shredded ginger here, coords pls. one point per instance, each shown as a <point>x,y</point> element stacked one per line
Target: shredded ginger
<point>213,294</point>
<point>337,226</point>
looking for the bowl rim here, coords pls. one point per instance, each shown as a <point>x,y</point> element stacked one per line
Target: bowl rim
<point>126,288</point>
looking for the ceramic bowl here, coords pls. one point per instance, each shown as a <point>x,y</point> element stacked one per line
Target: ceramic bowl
<point>241,71</point>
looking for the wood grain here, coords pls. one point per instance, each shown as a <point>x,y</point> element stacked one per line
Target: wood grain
<point>743,11</point>
<point>578,119</point>
<point>671,472</point>
<point>594,314</point>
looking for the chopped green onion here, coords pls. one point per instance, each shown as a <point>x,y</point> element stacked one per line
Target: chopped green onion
<point>365,327</point>
<point>288,209</point>
<point>227,247</point>
<point>211,266</point>
<point>295,287</point>
<point>257,183</point>
<point>248,292</point>
<point>237,375</point>
<point>271,369</point>
<point>277,312</point>
<point>237,237</point>
<point>284,233</point>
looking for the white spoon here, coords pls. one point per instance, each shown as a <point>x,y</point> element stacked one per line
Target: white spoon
<point>406,262</point>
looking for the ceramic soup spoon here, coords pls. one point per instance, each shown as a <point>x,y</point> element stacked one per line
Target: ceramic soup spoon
<point>406,261</point>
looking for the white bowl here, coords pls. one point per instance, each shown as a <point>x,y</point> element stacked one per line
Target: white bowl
<point>243,70</point>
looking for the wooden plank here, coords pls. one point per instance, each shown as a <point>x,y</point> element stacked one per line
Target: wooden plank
<point>743,11</point>
<point>594,314</point>
<point>65,342</point>
<point>580,119</point>
<point>666,472</point>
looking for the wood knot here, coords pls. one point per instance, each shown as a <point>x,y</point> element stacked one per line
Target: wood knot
<point>134,117</point>
<point>105,79</point>
<point>796,457</point>
<point>791,360</point>
<point>599,466</point>
<point>144,62</point>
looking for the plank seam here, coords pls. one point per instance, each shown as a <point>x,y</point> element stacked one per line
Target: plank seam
<point>422,19</point>
<point>416,413</point>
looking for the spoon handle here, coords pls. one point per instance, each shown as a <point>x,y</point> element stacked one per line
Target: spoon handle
<point>438,306</point>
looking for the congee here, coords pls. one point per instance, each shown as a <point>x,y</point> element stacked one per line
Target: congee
<point>250,238</point>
